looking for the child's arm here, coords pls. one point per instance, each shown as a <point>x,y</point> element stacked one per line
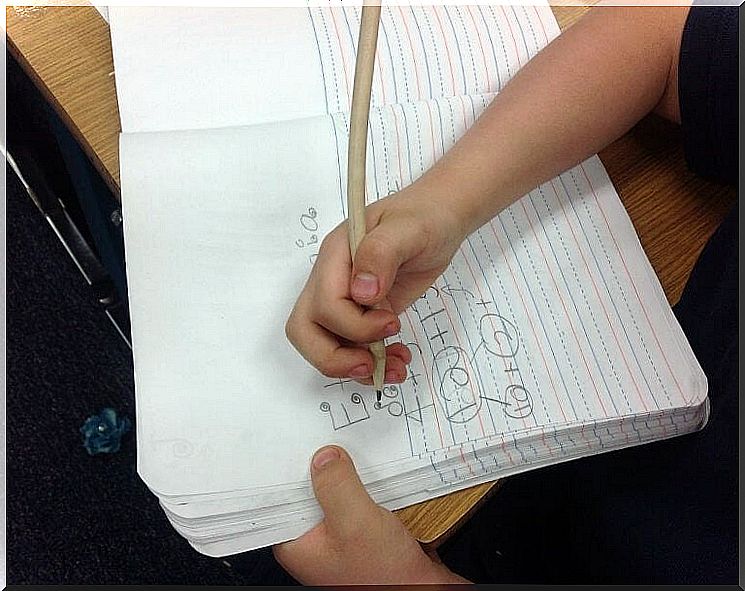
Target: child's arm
<point>586,89</point>
<point>580,93</point>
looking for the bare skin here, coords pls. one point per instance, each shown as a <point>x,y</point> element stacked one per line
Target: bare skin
<point>358,542</point>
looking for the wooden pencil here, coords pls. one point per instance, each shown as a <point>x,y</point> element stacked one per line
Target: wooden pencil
<point>356,156</point>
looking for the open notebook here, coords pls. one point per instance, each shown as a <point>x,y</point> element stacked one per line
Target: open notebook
<point>548,338</point>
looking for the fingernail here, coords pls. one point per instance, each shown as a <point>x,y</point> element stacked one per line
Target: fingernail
<point>324,456</point>
<point>365,286</point>
<point>361,371</point>
<point>390,329</point>
<point>393,376</point>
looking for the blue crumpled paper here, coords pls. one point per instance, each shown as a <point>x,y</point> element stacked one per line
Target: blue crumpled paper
<point>102,433</point>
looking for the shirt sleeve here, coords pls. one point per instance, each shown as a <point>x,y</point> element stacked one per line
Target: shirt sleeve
<point>707,90</point>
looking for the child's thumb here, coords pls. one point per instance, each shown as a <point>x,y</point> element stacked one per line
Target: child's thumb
<point>380,254</point>
<point>339,491</point>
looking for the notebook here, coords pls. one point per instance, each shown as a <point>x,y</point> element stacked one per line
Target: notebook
<point>548,338</point>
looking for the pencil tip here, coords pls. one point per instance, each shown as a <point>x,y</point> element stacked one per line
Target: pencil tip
<point>378,394</point>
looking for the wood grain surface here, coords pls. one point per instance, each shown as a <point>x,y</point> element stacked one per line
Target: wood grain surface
<point>67,52</point>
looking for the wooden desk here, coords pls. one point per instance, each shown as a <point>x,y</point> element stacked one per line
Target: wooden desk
<point>67,52</point>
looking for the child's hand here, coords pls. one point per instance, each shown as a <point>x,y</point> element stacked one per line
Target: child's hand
<point>358,542</point>
<point>410,240</point>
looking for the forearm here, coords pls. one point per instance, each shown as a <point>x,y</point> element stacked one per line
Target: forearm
<point>583,91</point>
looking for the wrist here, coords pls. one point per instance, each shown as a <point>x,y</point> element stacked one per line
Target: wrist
<point>466,199</point>
<point>449,206</point>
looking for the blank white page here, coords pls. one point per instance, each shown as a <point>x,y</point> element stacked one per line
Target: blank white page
<point>198,68</point>
<point>213,219</point>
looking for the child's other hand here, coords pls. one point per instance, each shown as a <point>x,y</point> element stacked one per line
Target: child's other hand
<point>411,238</point>
<point>358,542</point>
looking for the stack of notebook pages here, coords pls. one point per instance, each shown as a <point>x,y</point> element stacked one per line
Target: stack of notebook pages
<point>548,338</point>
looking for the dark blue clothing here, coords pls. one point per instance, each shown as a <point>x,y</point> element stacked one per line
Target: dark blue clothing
<point>707,89</point>
<point>664,513</point>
